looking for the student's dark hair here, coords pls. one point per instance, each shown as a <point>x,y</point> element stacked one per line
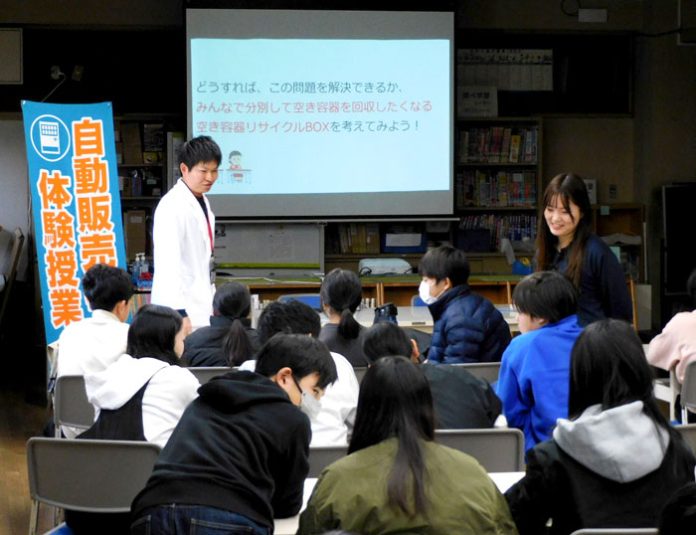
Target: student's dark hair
<point>153,333</point>
<point>386,339</point>
<point>691,288</point>
<point>678,517</point>
<point>608,368</point>
<point>199,149</point>
<point>567,187</point>
<point>303,354</point>
<point>233,301</point>
<point>287,317</point>
<point>547,295</point>
<point>104,286</point>
<point>445,262</point>
<point>395,401</point>
<point>342,291</point>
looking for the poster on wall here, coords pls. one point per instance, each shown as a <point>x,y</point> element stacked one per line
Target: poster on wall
<point>75,201</point>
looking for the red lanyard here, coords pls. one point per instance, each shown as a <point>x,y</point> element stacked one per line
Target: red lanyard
<point>210,234</point>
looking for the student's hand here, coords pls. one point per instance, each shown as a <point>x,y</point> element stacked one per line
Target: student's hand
<point>187,325</point>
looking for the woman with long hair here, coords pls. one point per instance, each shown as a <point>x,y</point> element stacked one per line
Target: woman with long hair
<point>565,243</point>
<point>616,460</point>
<point>230,339</point>
<point>396,478</point>
<point>341,293</point>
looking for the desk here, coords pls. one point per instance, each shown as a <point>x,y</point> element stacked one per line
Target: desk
<point>288,526</point>
<point>389,289</point>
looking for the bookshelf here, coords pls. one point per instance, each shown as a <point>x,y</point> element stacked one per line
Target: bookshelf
<point>142,172</point>
<point>497,183</point>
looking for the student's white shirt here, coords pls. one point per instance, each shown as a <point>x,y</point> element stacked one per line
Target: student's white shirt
<point>170,390</point>
<point>335,420</point>
<point>91,345</point>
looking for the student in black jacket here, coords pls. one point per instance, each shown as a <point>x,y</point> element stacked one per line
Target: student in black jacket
<point>238,457</point>
<point>230,339</point>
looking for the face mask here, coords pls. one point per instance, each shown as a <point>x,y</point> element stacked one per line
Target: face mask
<point>424,293</point>
<point>308,403</point>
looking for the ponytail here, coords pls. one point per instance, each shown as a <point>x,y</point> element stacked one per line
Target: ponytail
<point>236,344</point>
<point>348,327</point>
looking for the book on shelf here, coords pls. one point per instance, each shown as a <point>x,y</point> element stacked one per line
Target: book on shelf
<point>498,144</point>
<point>516,228</point>
<point>495,189</point>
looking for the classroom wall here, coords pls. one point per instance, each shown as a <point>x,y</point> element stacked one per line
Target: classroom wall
<point>14,194</point>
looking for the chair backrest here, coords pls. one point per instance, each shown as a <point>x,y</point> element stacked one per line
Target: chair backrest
<point>99,476</point>
<point>12,271</point>
<point>70,404</point>
<point>498,450</point>
<point>688,433</point>
<point>688,390</point>
<point>206,373</point>
<point>483,370</point>
<point>312,300</point>
<point>360,372</point>
<point>322,456</point>
<point>616,531</point>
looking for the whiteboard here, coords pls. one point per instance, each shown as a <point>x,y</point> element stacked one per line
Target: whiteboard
<point>269,249</point>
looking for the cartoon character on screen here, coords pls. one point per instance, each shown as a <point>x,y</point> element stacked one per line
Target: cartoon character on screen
<point>235,168</point>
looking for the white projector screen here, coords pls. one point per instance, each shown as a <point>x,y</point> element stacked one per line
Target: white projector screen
<point>324,113</point>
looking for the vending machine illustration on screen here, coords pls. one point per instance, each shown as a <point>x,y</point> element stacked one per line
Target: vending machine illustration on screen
<point>49,138</point>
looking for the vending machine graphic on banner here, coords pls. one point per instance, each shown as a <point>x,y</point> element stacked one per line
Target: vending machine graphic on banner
<point>75,201</point>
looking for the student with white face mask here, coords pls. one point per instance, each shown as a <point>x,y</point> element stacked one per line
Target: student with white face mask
<point>467,327</point>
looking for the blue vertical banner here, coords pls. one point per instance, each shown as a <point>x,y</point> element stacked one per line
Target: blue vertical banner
<point>75,200</point>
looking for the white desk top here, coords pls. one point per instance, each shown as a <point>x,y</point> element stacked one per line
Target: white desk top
<point>288,526</point>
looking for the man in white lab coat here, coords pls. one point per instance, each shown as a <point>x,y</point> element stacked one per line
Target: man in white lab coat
<point>184,234</point>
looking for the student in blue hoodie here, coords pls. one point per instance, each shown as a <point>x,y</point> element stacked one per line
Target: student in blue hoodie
<point>239,456</point>
<point>534,374</point>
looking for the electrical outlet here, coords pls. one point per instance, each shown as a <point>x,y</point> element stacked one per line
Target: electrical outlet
<point>613,192</point>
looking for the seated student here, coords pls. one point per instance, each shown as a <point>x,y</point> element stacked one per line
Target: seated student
<point>333,421</point>
<point>396,478</point>
<point>676,346</point>
<point>617,460</point>
<point>533,380</point>
<point>341,293</point>
<point>461,400</point>
<point>678,517</point>
<point>94,343</point>
<point>229,340</point>
<point>238,457</point>
<point>467,328</point>
<point>141,396</point>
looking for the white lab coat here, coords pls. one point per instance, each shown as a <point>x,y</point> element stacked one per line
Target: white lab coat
<point>182,255</point>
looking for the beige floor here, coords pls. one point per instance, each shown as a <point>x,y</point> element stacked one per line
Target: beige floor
<point>18,422</point>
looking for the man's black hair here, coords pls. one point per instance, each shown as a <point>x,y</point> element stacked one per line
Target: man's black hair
<point>303,354</point>
<point>287,317</point>
<point>385,339</point>
<point>445,262</point>
<point>546,295</point>
<point>199,149</point>
<point>104,286</point>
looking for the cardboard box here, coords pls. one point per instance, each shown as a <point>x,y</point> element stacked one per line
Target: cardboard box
<point>135,232</point>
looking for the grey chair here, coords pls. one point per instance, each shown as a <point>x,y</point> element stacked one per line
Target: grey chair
<point>617,531</point>
<point>206,373</point>
<point>97,476</point>
<point>322,456</point>
<point>688,433</point>
<point>498,450</point>
<point>70,405</point>
<point>688,391</point>
<point>483,370</point>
